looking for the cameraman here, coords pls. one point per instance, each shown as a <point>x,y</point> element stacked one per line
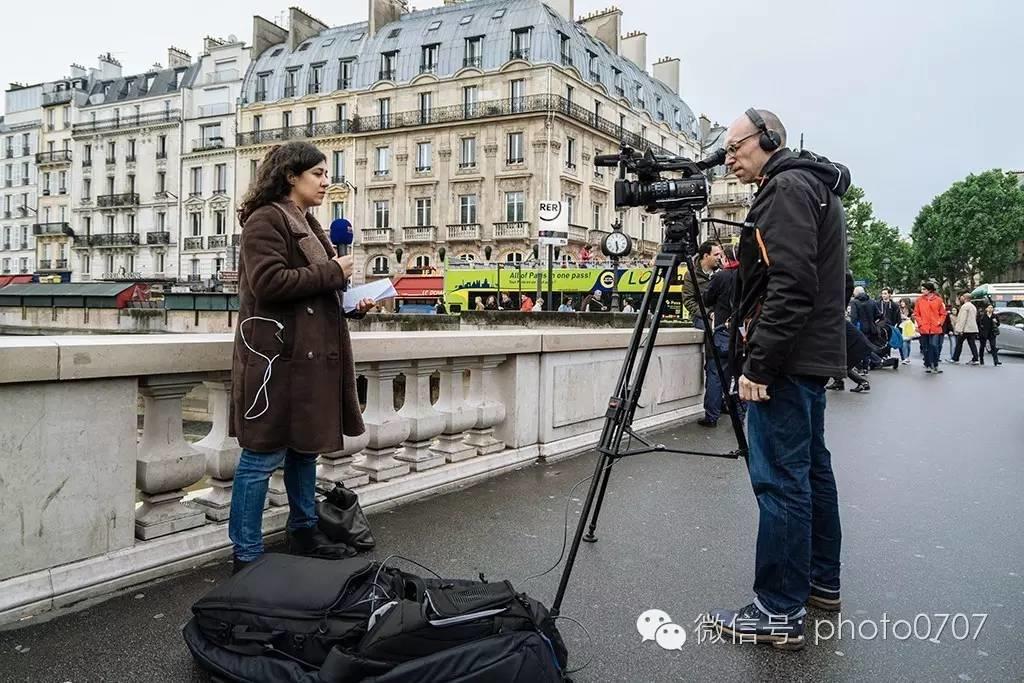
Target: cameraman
<point>789,337</point>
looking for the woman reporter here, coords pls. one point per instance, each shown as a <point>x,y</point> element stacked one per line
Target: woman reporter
<point>293,392</point>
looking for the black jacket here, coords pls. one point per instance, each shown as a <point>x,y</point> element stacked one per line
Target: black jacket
<point>790,306</point>
<point>718,296</point>
<point>889,311</point>
<point>863,314</point>
<point>988,328</point>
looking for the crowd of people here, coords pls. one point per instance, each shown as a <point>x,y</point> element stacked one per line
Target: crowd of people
<point>594,302</point>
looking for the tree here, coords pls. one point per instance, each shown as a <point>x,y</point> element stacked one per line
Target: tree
<point>970,231</point>
<point>878,253</point>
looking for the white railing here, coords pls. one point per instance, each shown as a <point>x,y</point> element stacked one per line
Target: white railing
<point>223,76</point>
<point>104,506</point>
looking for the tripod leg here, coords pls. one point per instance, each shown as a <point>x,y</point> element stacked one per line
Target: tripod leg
<point>590,537</point>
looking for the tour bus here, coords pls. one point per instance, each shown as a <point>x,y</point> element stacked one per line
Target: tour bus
<point>464,282</point>
<point>1001,295</point>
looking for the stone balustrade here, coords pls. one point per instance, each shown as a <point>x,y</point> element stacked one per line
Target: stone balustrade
<point>90,504</point>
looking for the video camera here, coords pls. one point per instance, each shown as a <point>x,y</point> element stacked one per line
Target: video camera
<point>653,192</point>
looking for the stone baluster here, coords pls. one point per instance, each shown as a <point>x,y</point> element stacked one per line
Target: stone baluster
<point>277,494</point>
<point>166,463</point>
<point>459,416</point>
<point>221,451</point>
<point>425,423</point>
<point>490,411</point>
<point>337,467</point>
<point>383,425</point>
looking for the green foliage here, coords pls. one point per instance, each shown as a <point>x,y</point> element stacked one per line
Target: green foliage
<point>878,253</point>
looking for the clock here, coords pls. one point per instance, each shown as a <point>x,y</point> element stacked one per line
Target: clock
<point>617,244</point>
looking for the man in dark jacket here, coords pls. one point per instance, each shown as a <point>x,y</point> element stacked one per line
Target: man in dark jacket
<point>888,310</point>
<point>863,312</point>
<point>709,254</point>
<point>790,335</point>
<point>718,300</point>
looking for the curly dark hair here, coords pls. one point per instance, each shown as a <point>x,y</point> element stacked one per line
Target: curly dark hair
<point>271,181</point>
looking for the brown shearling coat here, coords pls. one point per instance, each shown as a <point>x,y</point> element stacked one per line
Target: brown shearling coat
<point>285,276</point>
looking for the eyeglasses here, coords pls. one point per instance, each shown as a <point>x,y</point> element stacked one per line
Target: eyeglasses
<point>734,147</point>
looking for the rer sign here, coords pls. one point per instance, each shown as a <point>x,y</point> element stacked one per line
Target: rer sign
<point>554,224</point>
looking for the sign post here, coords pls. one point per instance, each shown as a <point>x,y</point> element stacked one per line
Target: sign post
<point>553,231</point>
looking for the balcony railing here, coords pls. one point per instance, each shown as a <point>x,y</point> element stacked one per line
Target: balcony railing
<point>171,116</point>
<point>114,200</point>
<point>595,76</point>
<point>111,161</point>
<point>519,53</point>
<point>60,156</point>
<point>87,163</point>
<point>44,264</point>
<point>512,230</point>
<point>217,242</point>
<point>9,153</point>
<point>566,60</point>
<point>161,155</point>
<point>225,76</point>
<point>52,229</point>
<point>289,91</point>
<point>7,246</point>
<point>377,235</point>
<point>54,264</point>
<point>730,198</point>
<point>531,104</point>
<point>419,233</point>
<point>475,62</point>
<point>24,244</point>
<point>158,237</point>
<point>129,159</point>
<point>208,143</point>
<point>577,233</point>
<point>25,151</point>
<point>193,243</point>
<point>386,75</point>
<point>428,68</point>
<point>113,239</point>
<point>464,232</point>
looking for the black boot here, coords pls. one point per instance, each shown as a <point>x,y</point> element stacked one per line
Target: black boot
<point>238,565</point>
<point>837,385</point>
<point>311,542</point>
<point>893,363</point>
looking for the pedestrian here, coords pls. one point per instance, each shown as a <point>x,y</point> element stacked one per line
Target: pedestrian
<point>929,314</point>
<point>948,332</point>
<point>566,306</point>
<point>539,306</point>
<point>440,308</point>
<point>585,256</point>
<point>909,331</point>
<point>988,330</point>
<point>790,288</point>
<point>506,302</point>
<point>864,313</point>
<point>527,304</point>
<point>283,414</point>
<point>478,303</point>
<point>966,328</point>
<point>628,307</point>
<point>718,300</point>
<point>888,310</point>
<point>491,304</point>
<point>860,350</point>
<point>709,256</point>
<point>593,303</point>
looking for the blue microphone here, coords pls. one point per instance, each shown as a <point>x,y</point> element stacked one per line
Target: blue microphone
<point>341,235</point>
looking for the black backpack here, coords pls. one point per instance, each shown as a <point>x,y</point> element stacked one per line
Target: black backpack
<point>287,618</point>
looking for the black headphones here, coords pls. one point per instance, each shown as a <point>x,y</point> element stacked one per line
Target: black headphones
<point>770,140</point>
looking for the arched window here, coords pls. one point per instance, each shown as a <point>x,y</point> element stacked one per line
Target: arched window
<point>468,258</point>
<point>566,259</point>
<point>514,257</point>
<point>422,261</point>
<point>380,265</point>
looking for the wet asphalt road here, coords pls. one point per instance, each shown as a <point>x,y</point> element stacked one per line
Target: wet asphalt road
<point>929,470</point>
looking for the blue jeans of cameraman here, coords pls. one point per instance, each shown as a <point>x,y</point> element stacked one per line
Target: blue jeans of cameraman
<point>714,392</point>
<point>249,493</point>
<point>798,534</point>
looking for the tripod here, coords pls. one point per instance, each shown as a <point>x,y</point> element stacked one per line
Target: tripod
<point>679,246</point>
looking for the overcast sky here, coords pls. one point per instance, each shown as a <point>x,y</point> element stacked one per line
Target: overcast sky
<point>910,95</point>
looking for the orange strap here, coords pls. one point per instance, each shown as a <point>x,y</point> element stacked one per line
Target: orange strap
<point>760,243</point>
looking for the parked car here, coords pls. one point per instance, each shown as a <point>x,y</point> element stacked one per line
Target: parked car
<point>1011,329</point>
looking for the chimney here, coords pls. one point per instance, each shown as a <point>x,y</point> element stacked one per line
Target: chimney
<point>563,7</point>
<point>383,12</point>
<point>265,35</point>
<point>634,48</point>
<point>605,25</point>
<point>666,70</point>
<point>177,57</point>
<point>704,123</point>
<point>109,67</point>
<point>78,71</point>
<point>302,27</point>
<point>210,43</point>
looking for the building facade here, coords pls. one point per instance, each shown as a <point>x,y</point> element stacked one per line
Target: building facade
<point>729,199</point>
<point>126,198</point>
<point>19,142</point>
<point>207,243</point>
<point>445,128</point>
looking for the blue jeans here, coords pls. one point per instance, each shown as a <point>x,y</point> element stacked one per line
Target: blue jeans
<point>249,493</point>
<point>905,350</point>
<point>714,392</point>
<point>798,533</point>
<point>931,347</point>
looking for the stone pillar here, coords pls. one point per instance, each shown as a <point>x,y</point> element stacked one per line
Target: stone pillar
<point>166,463</point>
<point>425,423</point>
<point>383,425</point>
<point>337,467</point>
<point>277,494</point>
<point>490,411</point>
<point>221,451</point>
<point>458,415</point>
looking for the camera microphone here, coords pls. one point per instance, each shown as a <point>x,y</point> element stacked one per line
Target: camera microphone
<point>341,235</point>
<point>607,160</point>
<point>717,158</point>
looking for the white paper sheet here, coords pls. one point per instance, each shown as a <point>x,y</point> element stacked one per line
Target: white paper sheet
<point>377,290</point>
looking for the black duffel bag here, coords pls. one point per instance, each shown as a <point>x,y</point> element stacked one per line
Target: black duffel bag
<point>342,519</point>
<point>299,606</point>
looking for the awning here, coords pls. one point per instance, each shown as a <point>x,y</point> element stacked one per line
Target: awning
<point>15,280</point>
<point>419,286</point>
